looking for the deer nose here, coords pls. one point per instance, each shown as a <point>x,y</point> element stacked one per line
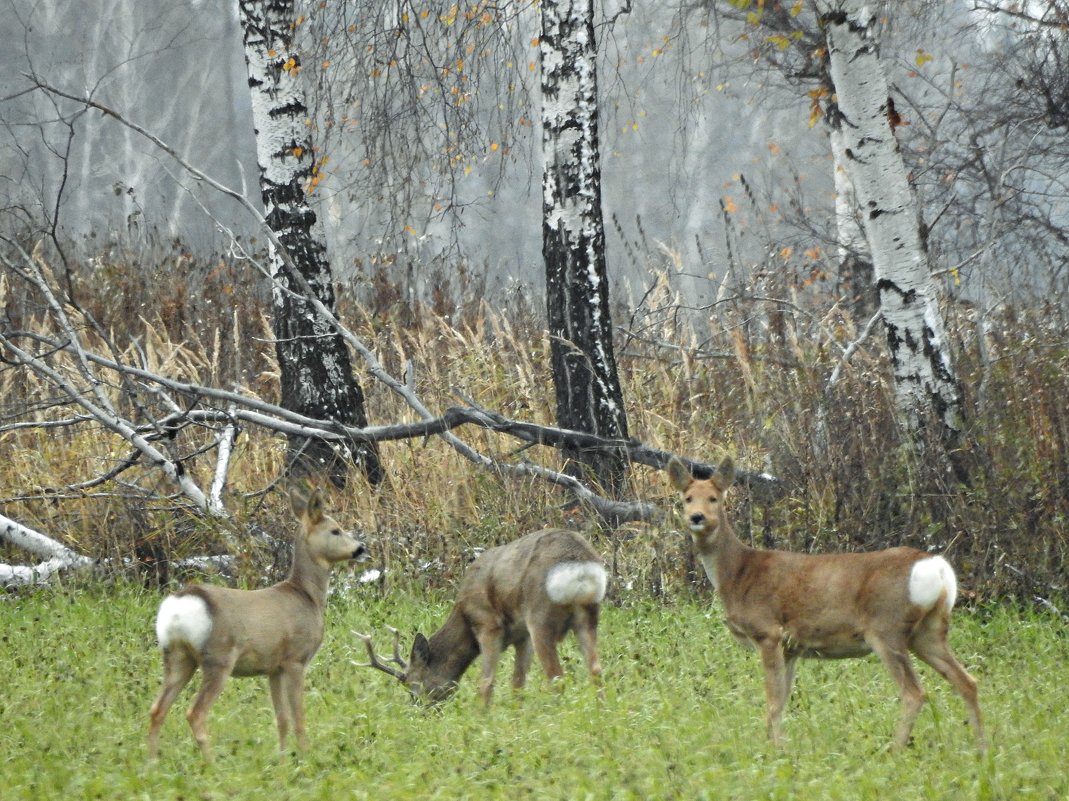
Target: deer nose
<point>360,552</point>
<point>697,519</point>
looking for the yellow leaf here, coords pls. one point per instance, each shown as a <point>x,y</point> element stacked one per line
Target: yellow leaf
<point>298,151</point>
<point>493,147</point>
<point>785,252</point>
<point>923,57</point>
<point>729,205</point>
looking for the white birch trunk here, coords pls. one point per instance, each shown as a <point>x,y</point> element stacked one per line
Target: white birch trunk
<point>588,391</point>
<point>925,383</point>
<point>314,364</point>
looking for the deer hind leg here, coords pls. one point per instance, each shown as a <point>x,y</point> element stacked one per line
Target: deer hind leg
<point>215,676</point>
<point>895,658</point>
<point>777,684</point>
<point>586,631</point>
<point>524,655</point>
<point>178,668</point>
<point>544,638</point>
<point>930,644</point>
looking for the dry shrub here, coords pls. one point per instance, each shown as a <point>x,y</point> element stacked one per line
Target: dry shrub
<point>746,377</point>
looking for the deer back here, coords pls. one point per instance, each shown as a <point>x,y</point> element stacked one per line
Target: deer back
<point>511,581</point>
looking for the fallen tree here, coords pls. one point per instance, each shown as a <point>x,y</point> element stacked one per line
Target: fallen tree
<point>124,394</point>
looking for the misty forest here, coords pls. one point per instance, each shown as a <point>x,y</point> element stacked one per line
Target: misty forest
<point>476,269</point>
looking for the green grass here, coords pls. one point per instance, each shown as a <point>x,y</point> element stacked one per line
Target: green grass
<point>682,716</point>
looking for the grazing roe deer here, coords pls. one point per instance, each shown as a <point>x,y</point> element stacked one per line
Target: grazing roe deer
<point>271,632</point>
<point>833,606</point>
<point>528,594</point>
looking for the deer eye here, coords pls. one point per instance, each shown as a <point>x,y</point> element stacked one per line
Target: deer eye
<point>336,532</point>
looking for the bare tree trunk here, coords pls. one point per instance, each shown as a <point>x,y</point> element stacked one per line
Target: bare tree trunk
<point>925,383</point>
<point>588,391</point>
<point>316,372</point>
<point>855,261</point>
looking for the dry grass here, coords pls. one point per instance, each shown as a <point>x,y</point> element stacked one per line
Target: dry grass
<point>746,377</point>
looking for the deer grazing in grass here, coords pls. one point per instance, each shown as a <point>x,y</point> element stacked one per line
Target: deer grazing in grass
<point>834,606</point>
<point>271,632</point>
<point>527,594</point>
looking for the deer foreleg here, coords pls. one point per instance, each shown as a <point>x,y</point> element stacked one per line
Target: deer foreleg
<point>776,684</point>
<point>294,685</point>
<point>283,713</point>
<point>490,646</point>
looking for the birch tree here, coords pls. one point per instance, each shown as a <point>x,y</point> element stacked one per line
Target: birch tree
<point>588,394</point>
<point>315,368</point>
<point>925,383</point>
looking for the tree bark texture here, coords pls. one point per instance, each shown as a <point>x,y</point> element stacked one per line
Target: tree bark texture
<point>315,368</point>
<point>588,393</point>
<point>926,387</point>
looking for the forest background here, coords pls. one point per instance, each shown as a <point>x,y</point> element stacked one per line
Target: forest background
<point>744,323</point>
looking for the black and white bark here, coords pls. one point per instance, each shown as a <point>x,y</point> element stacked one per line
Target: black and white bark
<point>588,394</point>
<point>314,364</point>
<point>926,387</point>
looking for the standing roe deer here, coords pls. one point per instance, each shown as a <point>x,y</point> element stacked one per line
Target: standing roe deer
<point>528,594</point>
<point>272,632</point>
<point>833,606</point>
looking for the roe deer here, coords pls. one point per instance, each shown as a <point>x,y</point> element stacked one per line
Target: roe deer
<point>272,632</point>
<point>528,594</point>
<point>833,606</point>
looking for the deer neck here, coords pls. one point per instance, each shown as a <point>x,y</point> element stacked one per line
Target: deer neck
<point>454,646</point>
<point>308,577</point>
<point>719,550</point>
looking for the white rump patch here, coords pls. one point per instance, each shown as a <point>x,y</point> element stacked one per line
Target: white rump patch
<point>183,618</point>
<point>929,578</point>
<point>576,583</point>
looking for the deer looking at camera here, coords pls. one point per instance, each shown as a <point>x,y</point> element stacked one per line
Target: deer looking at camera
<point>272,632</point>
<point>527,594</point>
<point>789,605</point>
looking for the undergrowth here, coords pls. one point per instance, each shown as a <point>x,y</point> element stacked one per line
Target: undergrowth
<point>746,377</point>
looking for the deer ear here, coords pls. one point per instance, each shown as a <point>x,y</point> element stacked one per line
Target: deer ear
<point>725,474</point>
<point>678,474</point>
<point>314,508</point>
<point>300,493</point>
<point>421,651</point>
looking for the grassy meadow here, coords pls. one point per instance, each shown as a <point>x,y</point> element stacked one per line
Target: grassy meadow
<point>683,710</point>
<point>681,717</point>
